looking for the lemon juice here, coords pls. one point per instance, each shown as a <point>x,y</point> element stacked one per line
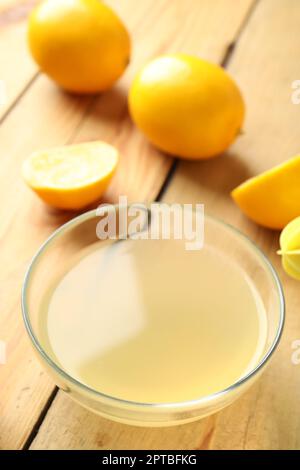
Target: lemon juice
<point>148,321</point>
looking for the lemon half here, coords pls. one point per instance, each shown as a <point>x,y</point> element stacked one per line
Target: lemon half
<point>272,199</point>
<point>71,177</point>
<point>290,248</point>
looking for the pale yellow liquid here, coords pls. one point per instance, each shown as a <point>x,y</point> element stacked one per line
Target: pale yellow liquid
<point>148,321</point>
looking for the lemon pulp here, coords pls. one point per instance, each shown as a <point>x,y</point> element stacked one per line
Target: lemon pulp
<point>73,176</point>
<point>290,248</point>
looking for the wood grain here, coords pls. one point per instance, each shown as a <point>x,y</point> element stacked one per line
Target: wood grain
<point>45,116</point>
<point>17,69</point>
<point>203,32</point>
<point>263,65</point>
<point>268,416</point>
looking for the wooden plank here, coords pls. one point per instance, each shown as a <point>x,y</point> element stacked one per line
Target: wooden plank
<point>142,172</point>
<point>17,69</point>
<point>68,426</point>
<point>268,416</point>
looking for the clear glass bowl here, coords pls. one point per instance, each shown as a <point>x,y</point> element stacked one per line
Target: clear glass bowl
<point>80,232</point>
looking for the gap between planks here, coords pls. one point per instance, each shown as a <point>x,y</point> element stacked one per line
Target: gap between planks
<point>40,419</point>
<point>224,63</point>
<point>18,98</point>
<point>169,177</point>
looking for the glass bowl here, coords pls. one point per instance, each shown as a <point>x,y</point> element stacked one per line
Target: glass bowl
<point>77,235</point>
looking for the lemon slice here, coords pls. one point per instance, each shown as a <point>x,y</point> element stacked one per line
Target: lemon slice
<point>73,176</point>
<point>272,199</point>
<point>290,248</point>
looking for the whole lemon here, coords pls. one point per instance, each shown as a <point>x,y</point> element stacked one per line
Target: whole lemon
<point>81,44</point>
<point>186,106</point>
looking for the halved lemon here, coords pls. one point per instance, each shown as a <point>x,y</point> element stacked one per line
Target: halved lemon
<point>73,176</point>
<point>272,199</point>
<point>290,248</point>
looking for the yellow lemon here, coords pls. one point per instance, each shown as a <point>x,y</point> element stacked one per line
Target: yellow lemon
<point>186,106</point>
<point>81,44</point>
<point>71,177</point>
<point>290,248</point>
<point>272,199</point>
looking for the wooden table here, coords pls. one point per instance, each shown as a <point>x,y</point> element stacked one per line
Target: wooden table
<point>259,43</point>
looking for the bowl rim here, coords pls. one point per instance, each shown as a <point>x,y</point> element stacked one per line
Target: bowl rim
<point>144,405</point>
